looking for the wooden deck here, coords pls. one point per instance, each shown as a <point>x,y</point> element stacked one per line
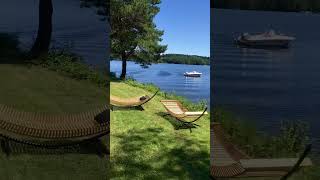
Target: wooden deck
<point>222,163</point>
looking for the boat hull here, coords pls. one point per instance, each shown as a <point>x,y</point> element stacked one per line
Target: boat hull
<point>263,43</point>
<point>192,75</point>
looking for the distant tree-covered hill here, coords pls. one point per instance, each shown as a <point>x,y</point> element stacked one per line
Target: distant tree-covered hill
<point>180,59</point>
<point>185,59</point>
<point>270,5</point>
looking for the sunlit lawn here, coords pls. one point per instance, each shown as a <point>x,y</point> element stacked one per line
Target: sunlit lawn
<point>144,145</point>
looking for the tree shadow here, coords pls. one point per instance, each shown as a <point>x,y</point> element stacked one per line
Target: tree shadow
<point>181,161</point>
<point>93,146</point>
<point>87,160</point>
<point>134,108</point>
<point>177,125</point>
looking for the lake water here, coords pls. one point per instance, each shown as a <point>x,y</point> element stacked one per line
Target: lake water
<point>169,77</point>
<point>268,86</point>
<point>74,28</point>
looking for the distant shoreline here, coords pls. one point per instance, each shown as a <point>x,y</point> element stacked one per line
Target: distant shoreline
<point>180,59</point>
<point>269,10</point>
<point>309,6</point>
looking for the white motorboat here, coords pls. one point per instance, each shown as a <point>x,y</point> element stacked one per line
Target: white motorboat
<point>266,39</point>
<point>192,74</point>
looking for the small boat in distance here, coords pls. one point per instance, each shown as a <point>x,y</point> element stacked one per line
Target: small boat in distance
<point>266,39</point>
<point>192,74</point>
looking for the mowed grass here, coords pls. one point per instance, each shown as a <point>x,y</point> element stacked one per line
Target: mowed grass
<point>145,145</point>
<point>31,88</point>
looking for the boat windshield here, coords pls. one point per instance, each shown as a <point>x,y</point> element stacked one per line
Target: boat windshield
<point>245,35</point>
<point>269,33</point>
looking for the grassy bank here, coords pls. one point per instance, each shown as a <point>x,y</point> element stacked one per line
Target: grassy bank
<point>45,87</point>
<point>290,142</point>
<point>33,88</point>
<point>145,145</point>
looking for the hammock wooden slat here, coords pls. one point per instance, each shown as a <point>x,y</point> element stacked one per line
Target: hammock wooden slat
<point>175,109</point>
<point>130,102</point>
<point>41,128</point>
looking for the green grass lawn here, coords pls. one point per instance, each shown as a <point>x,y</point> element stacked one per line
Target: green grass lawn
<point>145,145</point>
<point>31,88</point>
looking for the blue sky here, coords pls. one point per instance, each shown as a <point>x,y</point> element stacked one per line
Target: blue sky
<point>187,26</point>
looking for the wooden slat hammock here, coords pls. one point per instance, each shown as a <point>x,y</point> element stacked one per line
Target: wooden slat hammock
<point>228,161</point>
<point>176,110</point>
<point>52,130</point>
<point>130,102</point>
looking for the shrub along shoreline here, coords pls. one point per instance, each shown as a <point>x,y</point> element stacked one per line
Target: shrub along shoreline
<point>290,142</point>
<point>72,66</point>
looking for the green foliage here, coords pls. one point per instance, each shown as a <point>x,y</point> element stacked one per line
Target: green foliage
<point>185,59</point>
<point>101,6</point>
<point>8,47</point>
<point>72,66</point>
<point>8,41</point>
<point>133,35</point>
<point>273,5</point>
<point>133,32</point>
<point>293,136</point>
<point>290,141</point>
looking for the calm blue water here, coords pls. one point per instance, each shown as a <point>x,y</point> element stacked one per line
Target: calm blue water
<point>169,77</point>
<point>267,86</point>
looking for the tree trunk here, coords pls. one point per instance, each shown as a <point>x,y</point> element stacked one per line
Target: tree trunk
<point>124,68</point>
<point>42,43</point>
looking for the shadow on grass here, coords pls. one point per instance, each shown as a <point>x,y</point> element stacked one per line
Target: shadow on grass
<point>177,125</point>
<point>187,159</point>
<point>134,108</point>
<point>94,146</point>
<point>9,50</point>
